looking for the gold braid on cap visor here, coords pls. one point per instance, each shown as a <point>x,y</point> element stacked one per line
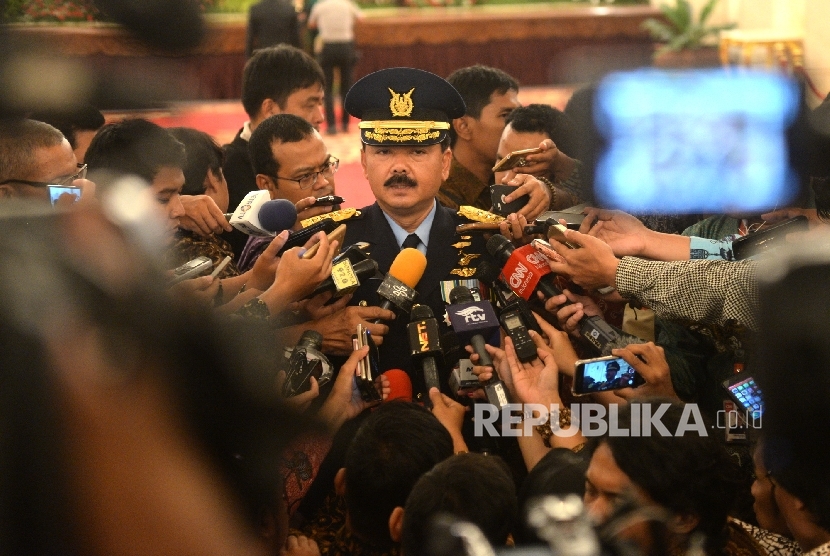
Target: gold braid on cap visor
<point>402,130</point>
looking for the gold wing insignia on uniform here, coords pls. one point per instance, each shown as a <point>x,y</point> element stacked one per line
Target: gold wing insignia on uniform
<point>463,272</point>
<point>401,104</point>
<point>467,258</point>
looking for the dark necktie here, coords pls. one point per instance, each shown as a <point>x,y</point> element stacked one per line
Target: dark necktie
<point>412,240</point>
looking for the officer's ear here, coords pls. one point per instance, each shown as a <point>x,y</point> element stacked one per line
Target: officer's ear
<point>396,524</point>
<point>462,128</point>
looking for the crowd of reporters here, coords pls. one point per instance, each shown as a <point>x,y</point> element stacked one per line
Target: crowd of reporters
<point>213,413</point>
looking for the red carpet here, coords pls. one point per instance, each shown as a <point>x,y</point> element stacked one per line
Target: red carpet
<point>222,120</point>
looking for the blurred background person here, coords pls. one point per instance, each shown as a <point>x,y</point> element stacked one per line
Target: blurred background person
<point>335,20</point>
<point>271,22</point>
<point>78,125</point>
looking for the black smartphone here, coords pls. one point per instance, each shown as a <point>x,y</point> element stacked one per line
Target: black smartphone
<point>604,373</point>
<point>572,220</point>
<point>497,194</point>
<point>744,390</point>
<point>757,243</point>
<point>300,237</point>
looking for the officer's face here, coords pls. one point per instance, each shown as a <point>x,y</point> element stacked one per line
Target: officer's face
<point>405,180</point>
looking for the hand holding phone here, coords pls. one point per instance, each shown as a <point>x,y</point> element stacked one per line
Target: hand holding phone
<point>516,159</point>
<point>602,374</point>
<point>338,234</point>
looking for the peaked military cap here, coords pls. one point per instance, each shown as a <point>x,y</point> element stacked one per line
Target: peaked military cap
<point>404,106</point>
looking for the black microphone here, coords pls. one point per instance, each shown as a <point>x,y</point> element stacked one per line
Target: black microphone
<point>398,288</point>
<point>425,346</point>
<point>475,322</point>
<point>526,271</point>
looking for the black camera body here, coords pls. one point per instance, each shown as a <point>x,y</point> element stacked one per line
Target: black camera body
<point>303,362</point>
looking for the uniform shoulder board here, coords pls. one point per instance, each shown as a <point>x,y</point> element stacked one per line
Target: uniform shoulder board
<point>477,215</point>
<point>343,215</point>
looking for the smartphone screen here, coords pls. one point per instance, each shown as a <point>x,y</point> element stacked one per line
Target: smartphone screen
<point>695,141</point>
<point>55,192</point>
<point>747,394</point>
<point>603,374</point>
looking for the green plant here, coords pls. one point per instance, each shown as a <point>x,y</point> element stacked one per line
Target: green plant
<point>682,31</point>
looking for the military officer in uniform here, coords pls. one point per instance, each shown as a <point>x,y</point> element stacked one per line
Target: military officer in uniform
<point>406,115</point>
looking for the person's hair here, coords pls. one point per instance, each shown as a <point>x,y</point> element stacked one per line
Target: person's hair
<point>19,139</point>
<point>559,472</point>
<point>203,155</point>
<point>541,118</point>
<point>84,117</point>
<point>472,487</point>
<point>136,147</point>
<point>397,444</point>
<point>796,340</point>
<point>689,475</point>
<point>215,374</point>
<point>280,128</point>
<point>275,73</point>
<point>476,85</point>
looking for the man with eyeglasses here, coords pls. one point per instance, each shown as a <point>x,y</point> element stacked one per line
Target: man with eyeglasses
<point>37,162</point>
<point>291,162</point>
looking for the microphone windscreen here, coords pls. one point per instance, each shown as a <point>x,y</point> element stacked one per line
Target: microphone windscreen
<point>277,215</point>
<point>409,266</point>
<point>421,312</point>
<point>400,385</point>
<point>499,247</point>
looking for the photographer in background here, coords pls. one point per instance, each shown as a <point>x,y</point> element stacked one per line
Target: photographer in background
<point>35,155</point>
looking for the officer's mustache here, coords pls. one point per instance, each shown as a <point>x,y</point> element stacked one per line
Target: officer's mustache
<point>400,179</point>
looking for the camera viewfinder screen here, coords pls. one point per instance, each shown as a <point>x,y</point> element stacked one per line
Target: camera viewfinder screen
<point>610,374</point>
<point>55,192</point>
<point>695,142</point>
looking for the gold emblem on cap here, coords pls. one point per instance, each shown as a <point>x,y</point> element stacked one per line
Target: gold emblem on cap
<point>401,104</point>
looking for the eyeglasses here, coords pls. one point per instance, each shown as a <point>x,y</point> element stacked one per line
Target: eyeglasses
<point>65,181</point>
<point>309,180</point>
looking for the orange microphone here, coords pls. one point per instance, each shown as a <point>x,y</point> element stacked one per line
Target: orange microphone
<point>398,288</point>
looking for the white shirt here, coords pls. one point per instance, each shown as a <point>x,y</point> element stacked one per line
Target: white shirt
<point>335,20</point>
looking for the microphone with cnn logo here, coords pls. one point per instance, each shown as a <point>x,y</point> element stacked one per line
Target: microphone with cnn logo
<point>526,272</point>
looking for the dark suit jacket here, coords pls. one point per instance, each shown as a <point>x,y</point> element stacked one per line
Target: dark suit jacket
<point>442,257</point>
<point>272,22</point>
<point>241,180</point>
